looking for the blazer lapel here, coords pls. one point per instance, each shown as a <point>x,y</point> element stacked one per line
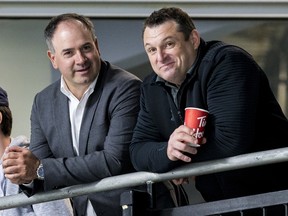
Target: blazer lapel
<point>89,113</point>
<point>62,122</point>
<point>90,109</point>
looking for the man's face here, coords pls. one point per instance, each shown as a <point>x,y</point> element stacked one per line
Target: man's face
<point>76,54</point>
<point>170,55</point>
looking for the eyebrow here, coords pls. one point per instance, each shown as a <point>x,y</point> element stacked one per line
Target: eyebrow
<point>70,49</point>
<point>65,50</point>
<point>165,39</point>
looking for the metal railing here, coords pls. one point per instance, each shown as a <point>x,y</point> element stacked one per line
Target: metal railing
<point>140,178</point>
<point>266,204</point>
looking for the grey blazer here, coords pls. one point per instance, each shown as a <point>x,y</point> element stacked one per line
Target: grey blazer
<point>106,131</point>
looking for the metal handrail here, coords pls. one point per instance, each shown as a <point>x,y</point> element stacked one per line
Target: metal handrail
<point>140,178</point>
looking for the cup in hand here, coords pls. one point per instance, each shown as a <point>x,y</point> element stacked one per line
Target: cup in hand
<point>196,119</point>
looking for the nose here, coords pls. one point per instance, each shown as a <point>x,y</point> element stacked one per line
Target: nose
<point>80,57</point>
<point>160,56</point>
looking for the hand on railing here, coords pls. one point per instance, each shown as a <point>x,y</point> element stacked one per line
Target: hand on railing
<point>19,165</point>
<point>180,181</point>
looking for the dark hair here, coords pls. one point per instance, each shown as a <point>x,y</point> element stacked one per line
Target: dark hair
<point>3,98</point>
<point>6,124</point>
<point>55,21</point>
<point>185,23</point>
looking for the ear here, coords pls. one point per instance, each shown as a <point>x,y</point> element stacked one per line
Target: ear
<point>96,44</point>
<point>51,56</point>
<point>1,117</point>
<point>195,37</point>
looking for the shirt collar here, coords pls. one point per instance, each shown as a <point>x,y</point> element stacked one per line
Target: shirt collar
<point>172,85</point>
<point>64,89</point>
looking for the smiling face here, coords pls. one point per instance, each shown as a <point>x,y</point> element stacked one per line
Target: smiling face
<point>76,55</point>
<point>170,55</point>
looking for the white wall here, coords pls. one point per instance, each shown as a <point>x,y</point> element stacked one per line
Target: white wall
<point>24,67</point>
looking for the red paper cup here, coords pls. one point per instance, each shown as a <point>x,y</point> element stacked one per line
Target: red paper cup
<point>196,119</point>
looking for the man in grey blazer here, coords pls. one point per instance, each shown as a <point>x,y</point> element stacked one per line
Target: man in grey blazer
<point>82,124</point>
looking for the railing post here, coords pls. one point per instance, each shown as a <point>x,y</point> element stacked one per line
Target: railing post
<point>135,203</point>
<point>150,191</point>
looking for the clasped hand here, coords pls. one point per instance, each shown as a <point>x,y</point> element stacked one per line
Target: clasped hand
<point>20,165</point>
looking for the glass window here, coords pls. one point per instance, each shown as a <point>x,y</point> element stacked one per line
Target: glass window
<point>267,42</point>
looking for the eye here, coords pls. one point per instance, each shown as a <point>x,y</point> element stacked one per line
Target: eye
<point>67,54</point>
<point>151,50</point>
<point>170,44</point>
<point>87,48</point>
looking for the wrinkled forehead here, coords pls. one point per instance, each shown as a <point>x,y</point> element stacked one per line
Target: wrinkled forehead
<point>160,32</point>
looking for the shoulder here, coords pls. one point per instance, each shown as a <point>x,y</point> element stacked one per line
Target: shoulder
<point>115,77</point>
<point>220,49</point>
<point>217,56</point>
<point>50,91</point>
<point>119,73</point>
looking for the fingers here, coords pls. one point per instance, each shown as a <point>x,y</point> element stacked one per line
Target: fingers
<point>178,153</point>
<point>16,178</point>
<point>187,135</point>
<point>12,152</point>
<point>20,165</point>
<point>182,142</point>
<point>13,149</point>
<point>13,171</point>
<point>180,181</point>
<point>13,156</point>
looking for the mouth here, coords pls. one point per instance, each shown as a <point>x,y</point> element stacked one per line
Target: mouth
<point>166,66</point>
<point>83,70</point>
